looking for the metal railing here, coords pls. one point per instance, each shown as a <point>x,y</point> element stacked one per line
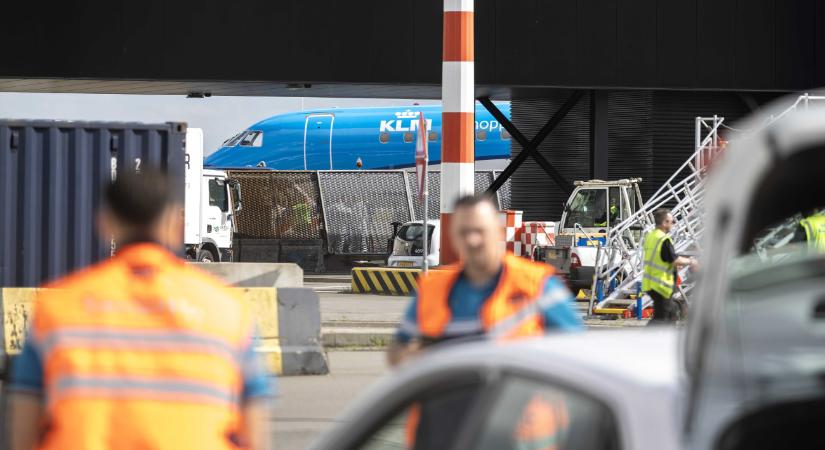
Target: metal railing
<point>620,262</point>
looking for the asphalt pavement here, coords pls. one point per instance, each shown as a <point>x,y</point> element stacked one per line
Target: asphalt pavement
<point>308,405</point>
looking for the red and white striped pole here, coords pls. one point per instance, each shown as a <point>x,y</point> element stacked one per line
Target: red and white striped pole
<point>458,114</point>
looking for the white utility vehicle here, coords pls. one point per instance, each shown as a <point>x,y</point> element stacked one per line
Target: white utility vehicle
<point>408,245</point>
<point>593,208</point>
<point>209,206</point>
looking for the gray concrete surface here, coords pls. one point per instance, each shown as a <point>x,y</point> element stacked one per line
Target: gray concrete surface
<point>359,320</point>
<point>369,321</point>
<point>309,405</point>
<point>256,274</point>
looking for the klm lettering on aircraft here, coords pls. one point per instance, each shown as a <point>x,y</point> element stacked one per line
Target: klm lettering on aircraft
<point>410,118</point>
<point>335,139</point>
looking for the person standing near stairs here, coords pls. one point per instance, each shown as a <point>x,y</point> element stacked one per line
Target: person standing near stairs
<point>660,265</point>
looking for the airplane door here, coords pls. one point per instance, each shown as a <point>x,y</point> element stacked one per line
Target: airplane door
<point>318,142</point>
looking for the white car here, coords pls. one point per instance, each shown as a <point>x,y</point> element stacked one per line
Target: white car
<point>407,249</point>
<point>618,389</point>
<point>755,343</point>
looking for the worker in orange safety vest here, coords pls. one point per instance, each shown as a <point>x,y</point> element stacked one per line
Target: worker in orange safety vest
<point>490,294</point>
<point>140,351</point>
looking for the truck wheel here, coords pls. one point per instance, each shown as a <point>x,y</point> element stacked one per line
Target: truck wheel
<point>206,256</point>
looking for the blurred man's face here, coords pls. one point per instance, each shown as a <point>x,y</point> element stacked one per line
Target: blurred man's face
<point>476,235</point>
<point>667,224</point>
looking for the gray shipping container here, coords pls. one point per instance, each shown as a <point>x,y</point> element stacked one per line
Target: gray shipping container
<point>51,179</point>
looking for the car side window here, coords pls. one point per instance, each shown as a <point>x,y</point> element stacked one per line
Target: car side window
<point>529,413</point>
<point>433,419</point>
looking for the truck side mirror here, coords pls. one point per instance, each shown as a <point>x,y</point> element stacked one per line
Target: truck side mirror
<point>236,190</point>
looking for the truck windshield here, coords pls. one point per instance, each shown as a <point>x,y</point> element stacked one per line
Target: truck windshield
<point>588,209</point>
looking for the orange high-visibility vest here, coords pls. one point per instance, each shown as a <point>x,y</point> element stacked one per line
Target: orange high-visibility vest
<point>141,352</point>
<point>512,311</point>
<point>513,301</point>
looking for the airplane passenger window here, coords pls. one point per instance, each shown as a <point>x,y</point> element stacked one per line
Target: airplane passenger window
<point>408,137</point>
<point>505,134</point>
<point>433,136</point>
<point>481,135</point>
<point>252,139</point>
<point>384,138</point>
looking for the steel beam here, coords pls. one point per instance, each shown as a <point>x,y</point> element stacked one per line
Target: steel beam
<point>530,147</point>
<point>598,135</point>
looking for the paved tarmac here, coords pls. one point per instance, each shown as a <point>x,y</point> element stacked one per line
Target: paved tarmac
<point>308,405</point>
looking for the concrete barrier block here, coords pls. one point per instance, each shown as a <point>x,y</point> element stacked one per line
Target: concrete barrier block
<point>300,332</point>
<point>275,275</point>
<point>17,304</point>
<point>384,280</point>
<point>289,325</point>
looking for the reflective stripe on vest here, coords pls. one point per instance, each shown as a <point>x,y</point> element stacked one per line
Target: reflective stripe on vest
<point>658,274</point>
<point>144,348</point>
<point>815,231</point>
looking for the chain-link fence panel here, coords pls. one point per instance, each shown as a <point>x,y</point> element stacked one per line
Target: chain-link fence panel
<point>359,208</point>
<point>503,193</point>
<point>433,200</point>
<point>483,179</point>
<point>278,205</point>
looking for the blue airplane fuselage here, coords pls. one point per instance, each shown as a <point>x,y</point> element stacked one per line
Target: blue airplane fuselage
<point>337,139</point>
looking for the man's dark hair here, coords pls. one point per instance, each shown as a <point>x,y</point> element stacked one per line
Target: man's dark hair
<point>139,199</point>
<point>470,201</point>
<point>660,215</point>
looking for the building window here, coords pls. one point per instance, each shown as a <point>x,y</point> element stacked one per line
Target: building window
<point>384,138</point>
<point>481,135</point>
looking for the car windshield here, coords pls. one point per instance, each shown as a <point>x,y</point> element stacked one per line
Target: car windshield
<point>780,251</point>
<point>787,264</point>
<point>413,232</point>
<point>588,209</point>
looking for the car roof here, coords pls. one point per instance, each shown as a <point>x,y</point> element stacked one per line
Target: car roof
<point>646,356</point>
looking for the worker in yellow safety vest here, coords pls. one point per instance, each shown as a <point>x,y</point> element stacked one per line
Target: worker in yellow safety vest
<point>813,227</point>
<point>660,264</point>
<point>613,214</point>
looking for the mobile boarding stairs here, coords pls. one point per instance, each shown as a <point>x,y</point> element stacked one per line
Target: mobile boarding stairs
<point>620,264</point>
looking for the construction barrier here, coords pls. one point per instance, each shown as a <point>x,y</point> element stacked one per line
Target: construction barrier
<point>253,274</point>
<point>289,326</point>
<point>384,280</point>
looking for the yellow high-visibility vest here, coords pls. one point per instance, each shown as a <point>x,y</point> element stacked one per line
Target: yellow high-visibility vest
<point>658,274</point>
<point>815,231</point>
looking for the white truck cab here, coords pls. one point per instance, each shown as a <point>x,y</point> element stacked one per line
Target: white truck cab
<point>408,248</point>
<point>209,206</point>
<point>593,207</point>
